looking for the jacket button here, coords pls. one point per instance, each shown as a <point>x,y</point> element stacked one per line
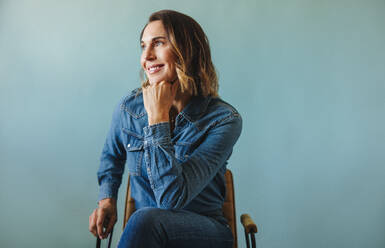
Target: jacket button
<point>128,145</point>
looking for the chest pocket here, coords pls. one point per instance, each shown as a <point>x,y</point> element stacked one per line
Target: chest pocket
<point>134,149</point>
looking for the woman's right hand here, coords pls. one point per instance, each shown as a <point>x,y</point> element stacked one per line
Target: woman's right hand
<point>158,99</point>
<point>103,219</point>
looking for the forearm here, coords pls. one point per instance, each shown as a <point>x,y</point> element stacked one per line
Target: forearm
<point>112,159</point>
<point>175,183</point>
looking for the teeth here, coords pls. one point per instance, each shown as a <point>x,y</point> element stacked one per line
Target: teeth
<point>154,68</point>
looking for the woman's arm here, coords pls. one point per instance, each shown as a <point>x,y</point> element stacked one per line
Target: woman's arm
<point>113,159</point>
<point>104,217</point>
<point>176,184</point>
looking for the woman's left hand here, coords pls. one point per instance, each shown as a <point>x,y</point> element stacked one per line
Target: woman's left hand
<point>158,99</point>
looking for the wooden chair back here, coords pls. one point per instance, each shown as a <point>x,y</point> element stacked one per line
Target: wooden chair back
<point>228,206</point>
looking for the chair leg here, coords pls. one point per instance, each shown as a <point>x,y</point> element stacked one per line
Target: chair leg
<point>109,241</point>
<point>247,239</point>
<point>253,240</point>
<point>252,235</point>
<point>98,241</point>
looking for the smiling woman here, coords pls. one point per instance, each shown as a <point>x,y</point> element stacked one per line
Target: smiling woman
<point>183,41</point>
<point>157,60</point>
<point>174,135</point>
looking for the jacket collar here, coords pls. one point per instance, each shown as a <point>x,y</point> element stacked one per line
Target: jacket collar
<point>197,105</point>
<point>195,108</point>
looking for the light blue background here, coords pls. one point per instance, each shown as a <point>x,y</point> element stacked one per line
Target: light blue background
<point>307,76</point>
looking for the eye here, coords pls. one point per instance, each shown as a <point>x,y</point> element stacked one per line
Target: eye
<point>158,43</point>
<point>142,46</point>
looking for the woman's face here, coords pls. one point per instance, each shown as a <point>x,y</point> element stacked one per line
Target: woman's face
<point>157,59</point>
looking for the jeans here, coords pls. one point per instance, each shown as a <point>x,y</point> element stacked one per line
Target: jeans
<point>153,227</point>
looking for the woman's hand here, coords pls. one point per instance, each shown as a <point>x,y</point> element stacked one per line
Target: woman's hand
<point>158,99</point>
<point>103,219</point>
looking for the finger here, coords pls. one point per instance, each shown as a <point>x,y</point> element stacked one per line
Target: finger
<point>155,84</point>
<point>144,90</point>
<point>92,223</point>
<point>165,84</point>
<point>110,225</point>
<point>146,84</point>
<point>99,222</point>
<point>175,87</point>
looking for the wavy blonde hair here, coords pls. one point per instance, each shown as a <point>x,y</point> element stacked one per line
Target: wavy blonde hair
<point>190,46</point>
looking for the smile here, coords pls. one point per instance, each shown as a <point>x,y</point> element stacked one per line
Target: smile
<point>154,69</point>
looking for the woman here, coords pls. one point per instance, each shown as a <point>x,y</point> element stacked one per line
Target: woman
<point>175,136</point>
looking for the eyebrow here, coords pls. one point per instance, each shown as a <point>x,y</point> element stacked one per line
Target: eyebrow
<point>155,38</point>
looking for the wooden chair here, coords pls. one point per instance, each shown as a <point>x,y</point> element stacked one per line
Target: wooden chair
<point>250,228</point>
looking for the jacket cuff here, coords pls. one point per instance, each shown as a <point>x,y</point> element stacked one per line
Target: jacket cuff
<point>157,134</point>
<point>108,190</point>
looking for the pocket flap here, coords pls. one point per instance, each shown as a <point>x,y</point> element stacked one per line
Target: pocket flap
<point>134,147</point>
<point>134,141</point>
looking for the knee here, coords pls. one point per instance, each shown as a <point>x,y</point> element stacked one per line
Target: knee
<point>144,229</point>
<point>145,219</point>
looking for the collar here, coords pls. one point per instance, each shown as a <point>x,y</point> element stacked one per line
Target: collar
<point>133,104</point>
<point>195,108</point>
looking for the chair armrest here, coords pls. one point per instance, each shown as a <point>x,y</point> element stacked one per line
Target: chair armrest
<point>248,224</point>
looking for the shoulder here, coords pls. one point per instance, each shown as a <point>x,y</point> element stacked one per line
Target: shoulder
<point>219,112</point>
<point>217,104</point>
<point>222,110</point>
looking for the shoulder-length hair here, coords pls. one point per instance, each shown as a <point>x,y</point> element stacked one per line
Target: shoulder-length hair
<point>194,68</point>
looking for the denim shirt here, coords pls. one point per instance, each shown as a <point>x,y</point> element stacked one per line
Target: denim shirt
<point>179,169</point>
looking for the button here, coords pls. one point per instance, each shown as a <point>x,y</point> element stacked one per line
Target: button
<point>128,145</point>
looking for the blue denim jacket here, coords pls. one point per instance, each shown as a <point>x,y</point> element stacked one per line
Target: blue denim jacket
<point>179,169</point>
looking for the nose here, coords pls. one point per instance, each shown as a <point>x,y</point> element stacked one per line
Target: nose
<point>149,53</point>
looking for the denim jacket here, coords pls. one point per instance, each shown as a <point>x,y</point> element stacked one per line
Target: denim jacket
<point>179,169</point>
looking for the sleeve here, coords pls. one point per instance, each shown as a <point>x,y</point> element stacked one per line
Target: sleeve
<point>112,160</point>
<point>175,184</point>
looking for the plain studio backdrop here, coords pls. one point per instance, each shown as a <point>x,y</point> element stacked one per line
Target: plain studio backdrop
<point>308,78</point>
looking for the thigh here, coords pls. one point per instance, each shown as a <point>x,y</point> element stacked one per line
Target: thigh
<point>177,228</point>
<point>188,229</point>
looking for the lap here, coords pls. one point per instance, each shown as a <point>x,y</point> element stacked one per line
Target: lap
<point>180,228</point>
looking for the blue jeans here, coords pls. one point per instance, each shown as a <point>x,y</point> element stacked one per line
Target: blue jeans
<point>154,227</point>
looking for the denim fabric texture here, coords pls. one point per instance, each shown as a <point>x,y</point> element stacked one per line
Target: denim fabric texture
<point>155,228</point>
<point>180,169</point>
